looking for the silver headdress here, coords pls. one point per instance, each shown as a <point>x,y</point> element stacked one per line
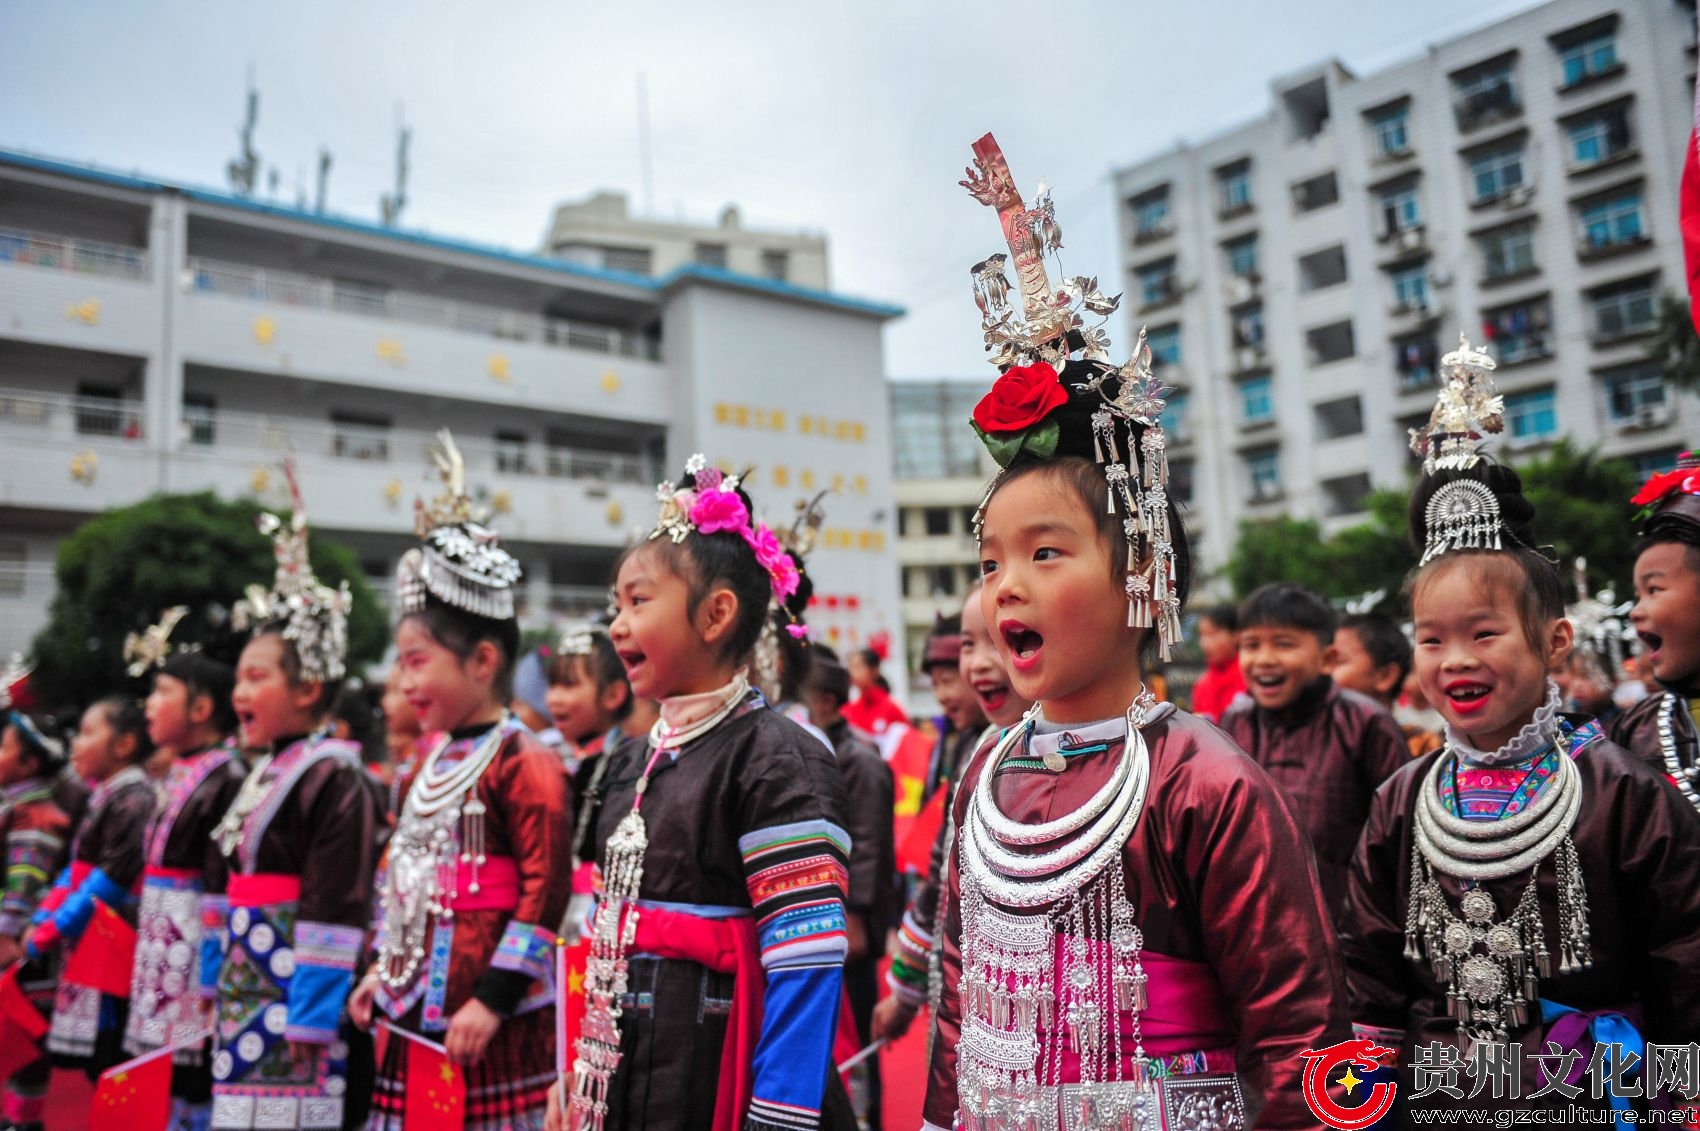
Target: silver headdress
<point>1463,514</point>
<point>1035,344</point>
<point>151,648</point>
<point>580,639</point>
<point>312,617</point>
<point>459,562</point>
<point>1603,632</point>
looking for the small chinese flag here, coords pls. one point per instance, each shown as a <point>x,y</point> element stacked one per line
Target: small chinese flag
<point>436,1089</point>
<point>21,1027</point>
<point>136,1094</point>
<point>572,995</point>
<point>915,851</point>
<point>104,956</point>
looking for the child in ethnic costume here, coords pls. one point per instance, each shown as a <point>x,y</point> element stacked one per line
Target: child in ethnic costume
<point>1661,729</point>
<point>36,834</point>
<point>299,843</point>
<point>714,979</point>
<point>479,868</point>
<point>183,879</point>
<point>105,871</point>
<point>1532,882</point>
<point>1132,931</point>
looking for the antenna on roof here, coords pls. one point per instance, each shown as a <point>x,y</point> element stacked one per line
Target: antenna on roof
<point>324,179</point>
<point>245,170</point>
<point>390,205</point>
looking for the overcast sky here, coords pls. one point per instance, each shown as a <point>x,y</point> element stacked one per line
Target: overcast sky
<point>853,118</point>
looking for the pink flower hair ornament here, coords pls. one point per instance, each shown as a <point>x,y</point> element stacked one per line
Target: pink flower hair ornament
<point>712,505</point>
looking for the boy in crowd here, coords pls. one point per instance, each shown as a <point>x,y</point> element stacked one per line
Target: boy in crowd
<point>1222,681</point>
<point>1372,656</point>
<point>1327,747</point>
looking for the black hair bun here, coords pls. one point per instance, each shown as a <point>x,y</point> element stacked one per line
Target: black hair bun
<point>1516,512</point>
<point>1074,416</point>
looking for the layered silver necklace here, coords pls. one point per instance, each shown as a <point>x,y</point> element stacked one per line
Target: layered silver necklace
<point>1492,968</point>
<point>441,827</point>
<point>1683,776</point>
<point>1023,886</point>
<point>614,927</point>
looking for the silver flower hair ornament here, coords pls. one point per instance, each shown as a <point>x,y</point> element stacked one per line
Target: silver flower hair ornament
<point>311,616</point>
<point>459,561</point>
<point>150,648</point>
<point>1033,347</point>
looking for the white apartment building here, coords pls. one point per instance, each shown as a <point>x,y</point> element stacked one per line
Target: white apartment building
<point>159,337</point>
<point>1301,275</point>
<point>602,232</point>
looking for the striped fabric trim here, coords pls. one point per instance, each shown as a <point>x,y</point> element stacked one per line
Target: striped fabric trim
<point>805,935</point>
<point>324,973</point>
<point>779,838</point>
<point>30,858</point>
<point>768,1114</point>
<point>326,944</point>
<point>797,876</point>
<point>526,949</point>
<point>911,961</point>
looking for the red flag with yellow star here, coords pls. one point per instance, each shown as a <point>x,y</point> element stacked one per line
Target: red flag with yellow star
<point>572,996</point>
<point>21,1027</point>
<point>104,956</point>
<point>436,1089</point>
<point>135,1095</point>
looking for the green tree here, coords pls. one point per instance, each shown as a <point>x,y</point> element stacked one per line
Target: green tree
<point>119,571</point>
<point>1675,345</point>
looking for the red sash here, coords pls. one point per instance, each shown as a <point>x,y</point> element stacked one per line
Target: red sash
<point>498,886</point>
<point>263,889</point>
<point>726,946</point>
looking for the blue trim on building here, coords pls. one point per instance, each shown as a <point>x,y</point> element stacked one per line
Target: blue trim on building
<point>686,273</point>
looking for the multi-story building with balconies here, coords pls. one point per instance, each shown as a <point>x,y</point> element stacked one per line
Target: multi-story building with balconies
<point>157,337</point>
<point>1302,275</point>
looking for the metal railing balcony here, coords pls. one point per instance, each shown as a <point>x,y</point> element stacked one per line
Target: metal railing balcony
<point>235,280</point>
<point>43,249</point>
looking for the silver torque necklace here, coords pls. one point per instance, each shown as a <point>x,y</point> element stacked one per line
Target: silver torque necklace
<point>1683,776</point>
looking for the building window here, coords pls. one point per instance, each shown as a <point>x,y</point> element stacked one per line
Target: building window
<point>1320,269</point>
<point>1346,495</point>
<point>1263,474</point>
<point>1181,481</point>
<point>1340,418</point>
<point>1333,342</point>
<point>1257,399</point>
<point>1649,464</point>
<point>942,580</point>
<point>1388,127</point>
<point>968,514</point>
<point>1507,252</point>
<point>1612,222</point>
<point>1599,137</point>
<point>1588,58</point>
<point>1634,393</point>
<point>1518,332</point>
<point>1318,192</point>
<point>511,453</point>
<point>1173,419</point>
<point>200,419</point>
<point>1496,171</point>
<point>1165,343</point>
<point>1623,309</point>
<point>1400,211</point>
<point>13,560</point>
<point>776,265</point>
<point>631,260</point>
<point>711,255</point>
<point>1486,93</point>
<point>101,412</point>
<point>1233,183</point>
<point>1157,282</point>
<point>1242,256</point>
<point>1150,213</point>
<point>1414,358</point>
<point>1410,287</point>
<point>936,521</point>
<point>1532,415</point>
<point>356,436</point>
<point>1248,328</point>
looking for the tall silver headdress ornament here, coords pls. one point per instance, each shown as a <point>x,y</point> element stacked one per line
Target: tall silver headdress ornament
<point>1603,632</point>
<point>580,639</point>
<point>151,648</point>
<point>313,617</point>
<point>458,561</point>
<point>1034,346</point>
<point>1463,514</point>
<point>1365,603</point>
